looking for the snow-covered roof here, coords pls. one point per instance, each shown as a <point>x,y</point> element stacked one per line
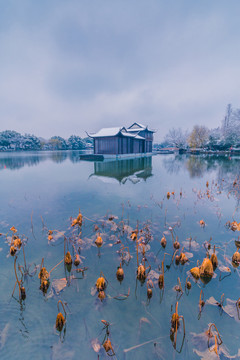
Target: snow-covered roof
<point>132,131</point>
<point>138,127</point>
<point>107,132</point>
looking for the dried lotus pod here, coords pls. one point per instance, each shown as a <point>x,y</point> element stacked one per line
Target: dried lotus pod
<point>120,273</point>
<point>68,258</point>
<point>163,242</point>
<point>100,283</point>
<point>175,321</point>
<point>133,235</point>
<point>177,259</point>
<point>168,195</point>
<point>195,272</point>
<point>77,260</point>
<point>188,285</point>
<point>214,259</point>
<point>161,281</point>
<point>176,245</point>
<point>141,273</point>
<point>60,321</point>
<point>236,259</point>
<point>149,293</point>
<point>99,241</point>
<point>12,250</point>
<point>43,274</point>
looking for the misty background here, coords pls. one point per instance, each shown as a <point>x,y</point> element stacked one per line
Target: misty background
<point>71,66</point>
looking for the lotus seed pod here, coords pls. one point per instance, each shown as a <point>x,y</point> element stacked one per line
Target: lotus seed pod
<point>100,284</point>
<point>236,259</point>
<point>177,259</point>
<point>77,260</point>
<point>163,242</point>
<point>120,273</point>
<point>99,241</point>
<point>13,250</point>
<point>60,321</point>
<point>68,258</point>
<point>149,293</point>
<point>176,245</point>
<point>161,281</point>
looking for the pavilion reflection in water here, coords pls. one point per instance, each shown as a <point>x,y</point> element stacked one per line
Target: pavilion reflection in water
<point>134,170</point>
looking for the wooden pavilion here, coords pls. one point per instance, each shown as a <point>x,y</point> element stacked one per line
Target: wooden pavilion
<point>135,139</point>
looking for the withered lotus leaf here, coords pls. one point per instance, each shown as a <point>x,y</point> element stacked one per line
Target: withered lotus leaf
<point>195,272</point>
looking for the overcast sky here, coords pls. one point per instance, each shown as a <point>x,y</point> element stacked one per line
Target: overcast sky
<point>75,65</point>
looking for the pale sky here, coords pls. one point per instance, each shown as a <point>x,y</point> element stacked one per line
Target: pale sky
<point>75,65</point>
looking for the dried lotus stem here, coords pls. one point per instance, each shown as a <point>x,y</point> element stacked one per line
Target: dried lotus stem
<point>55,266</point>
<point>218,341</point>
<point>201,303</point>
<point>60,302</point>
<point>238,308</point>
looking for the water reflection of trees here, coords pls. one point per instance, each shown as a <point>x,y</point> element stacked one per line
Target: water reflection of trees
<point>15,161</point>
<point>227,169</point>
<point>198,165</point>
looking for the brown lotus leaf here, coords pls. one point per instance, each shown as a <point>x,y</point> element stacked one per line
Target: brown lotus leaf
<point>206,269</point>
<point>108,346</point>
<point>13,229</point>
<point>17,243</point>
<point>43,274</point>
<point>195,272</point>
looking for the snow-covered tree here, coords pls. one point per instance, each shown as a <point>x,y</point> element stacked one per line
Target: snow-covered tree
<point>177,138</point>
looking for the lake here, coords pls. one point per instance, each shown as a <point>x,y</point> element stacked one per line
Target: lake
<point>42,191</point>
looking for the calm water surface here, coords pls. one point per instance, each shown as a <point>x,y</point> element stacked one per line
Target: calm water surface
<point>41,191</point>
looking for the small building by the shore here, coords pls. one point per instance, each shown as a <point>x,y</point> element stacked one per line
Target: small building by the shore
<point>135,139</point>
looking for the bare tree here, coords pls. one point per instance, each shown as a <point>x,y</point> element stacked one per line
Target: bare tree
<point>177,138</point>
